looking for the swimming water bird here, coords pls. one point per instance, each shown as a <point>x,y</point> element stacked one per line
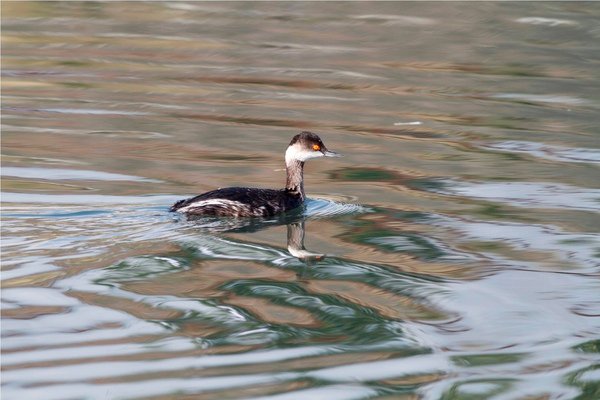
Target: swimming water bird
<point>254,202</point>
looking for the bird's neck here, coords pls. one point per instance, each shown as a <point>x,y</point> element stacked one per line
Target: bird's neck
<point>295,177</point>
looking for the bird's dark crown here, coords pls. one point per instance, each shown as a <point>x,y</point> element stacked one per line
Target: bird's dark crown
<point>307,139</point>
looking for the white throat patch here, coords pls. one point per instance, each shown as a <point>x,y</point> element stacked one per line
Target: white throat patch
<point>298,153</point>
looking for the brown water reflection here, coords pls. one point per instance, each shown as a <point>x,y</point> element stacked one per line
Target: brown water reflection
<point>452,253</point>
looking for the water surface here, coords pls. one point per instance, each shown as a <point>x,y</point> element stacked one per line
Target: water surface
<point>453,253</point>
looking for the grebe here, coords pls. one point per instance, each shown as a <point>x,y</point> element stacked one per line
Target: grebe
<point>253,202</point>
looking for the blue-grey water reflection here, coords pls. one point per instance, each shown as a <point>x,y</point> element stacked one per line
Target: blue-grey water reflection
<point>453,253</point>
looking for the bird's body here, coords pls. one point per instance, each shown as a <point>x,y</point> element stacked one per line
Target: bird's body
<point>240,202</point>
<point>255,202</point>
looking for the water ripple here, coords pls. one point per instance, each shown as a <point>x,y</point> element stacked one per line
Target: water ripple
<point>540,98</point>
<point>91,111</point>
<point>548,152</point>
<point>69,174</point>
<point>328,207</point>
<point>528,194</point>
<point>546,21</point>
<point>93,199</point>
<point>566,247</point>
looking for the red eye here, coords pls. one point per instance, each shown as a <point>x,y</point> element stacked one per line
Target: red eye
<point>316,147</point>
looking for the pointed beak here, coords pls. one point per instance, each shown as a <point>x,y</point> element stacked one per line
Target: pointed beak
<point>328,153</point>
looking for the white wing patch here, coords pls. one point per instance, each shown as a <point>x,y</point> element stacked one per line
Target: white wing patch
<point>229,207</point>
<point>223,203</point>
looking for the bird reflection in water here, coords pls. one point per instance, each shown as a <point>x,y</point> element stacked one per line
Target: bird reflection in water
<point>295,223</point>
<point>295,243</point>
